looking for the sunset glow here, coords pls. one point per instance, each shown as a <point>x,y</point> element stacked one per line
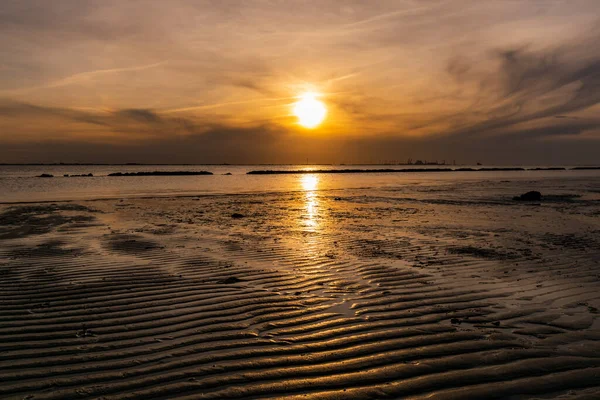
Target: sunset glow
<point>255,81</point>
<point>300,198</point>
<point>309,110</point>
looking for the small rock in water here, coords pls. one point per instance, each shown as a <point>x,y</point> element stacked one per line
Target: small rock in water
<point>228,173</point>
<point>237,215</point>
<point>529,196</point>
<point>85,333</point>
<point>46,176</point>
<point>455,321</point>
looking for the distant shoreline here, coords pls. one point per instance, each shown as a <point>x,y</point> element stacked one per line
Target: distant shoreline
<point>391,170</point>
<point>329,171</point>
<point>161,173</point>
<point>572,166</point>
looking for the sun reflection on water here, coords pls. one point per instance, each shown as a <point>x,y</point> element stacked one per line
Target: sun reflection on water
<point>310,184</point>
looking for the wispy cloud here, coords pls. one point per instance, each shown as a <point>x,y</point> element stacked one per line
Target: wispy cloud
<point>79,77</point>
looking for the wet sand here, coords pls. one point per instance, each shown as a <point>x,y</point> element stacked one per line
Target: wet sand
<point>441,292</point>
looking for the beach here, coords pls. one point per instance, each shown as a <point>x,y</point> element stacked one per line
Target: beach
<point>389,287</point>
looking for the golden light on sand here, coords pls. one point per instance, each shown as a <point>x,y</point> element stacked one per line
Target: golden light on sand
<point>309,110</point>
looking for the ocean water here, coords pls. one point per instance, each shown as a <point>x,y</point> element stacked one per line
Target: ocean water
<point>20,183</point>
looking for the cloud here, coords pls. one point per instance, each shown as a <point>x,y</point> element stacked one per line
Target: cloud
<point>214,80</point>
<point>59,124</point>
<point>80,77</point>
<point>268,144</point>
<point>141,115</point>
<point>531,85</point>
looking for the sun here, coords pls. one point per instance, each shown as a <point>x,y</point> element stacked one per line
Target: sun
<point>309,110</point>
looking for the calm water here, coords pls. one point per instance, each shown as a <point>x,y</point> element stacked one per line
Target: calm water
<point>20,184</point>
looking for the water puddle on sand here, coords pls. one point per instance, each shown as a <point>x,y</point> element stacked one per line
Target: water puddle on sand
<point>344,308</point>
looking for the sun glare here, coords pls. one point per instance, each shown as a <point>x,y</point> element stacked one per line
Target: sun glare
<point>309,182</point>
<point>309,110</point>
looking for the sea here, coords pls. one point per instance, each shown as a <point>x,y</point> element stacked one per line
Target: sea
<point>20,183</point>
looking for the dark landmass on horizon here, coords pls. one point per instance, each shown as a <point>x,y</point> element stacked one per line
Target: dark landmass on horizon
<point>389,170</point>
<point>161,173</point>
<point>574,166</point>
<point>329,171</point>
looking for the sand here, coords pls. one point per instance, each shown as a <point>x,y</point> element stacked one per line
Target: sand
<point>423,292</point>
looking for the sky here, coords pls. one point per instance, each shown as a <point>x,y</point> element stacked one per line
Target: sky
<point>190,81</point>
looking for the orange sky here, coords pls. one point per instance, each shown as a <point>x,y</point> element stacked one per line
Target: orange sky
<point>113,81</point>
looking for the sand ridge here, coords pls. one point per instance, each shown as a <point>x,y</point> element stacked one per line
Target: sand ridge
<point>395,293</point>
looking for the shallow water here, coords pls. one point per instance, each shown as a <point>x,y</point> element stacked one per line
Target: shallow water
<point>20,183</point>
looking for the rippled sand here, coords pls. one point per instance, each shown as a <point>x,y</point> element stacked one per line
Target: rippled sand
<point>446,291</point>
